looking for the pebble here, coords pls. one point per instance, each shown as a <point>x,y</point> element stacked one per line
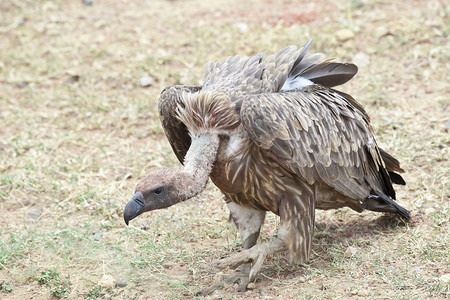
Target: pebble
<point>22,84</point>
<point>97,235</point>
<point>243,27</point>
<point>251,286</point>
<point>361,59</point>
<point>262,293</point>
<point>107,281</point>
<point>216,295</point>
<point>344,35</point>
<point>146,80</point>
<point>34,213</point>
<point>350,251</point>
<point>122,282</point>
<point>363,293</point>
<point>445,278</point>
<point>381,31</point>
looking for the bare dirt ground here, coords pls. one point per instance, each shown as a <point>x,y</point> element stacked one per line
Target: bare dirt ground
<point>78,131</point>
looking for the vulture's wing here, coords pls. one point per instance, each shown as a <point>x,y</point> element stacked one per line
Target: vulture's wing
<point>322,136</point>
<point>176,132</point>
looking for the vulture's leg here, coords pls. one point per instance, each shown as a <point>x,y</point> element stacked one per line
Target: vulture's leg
<point>248,262</point>
<point>295,233</point>
<point>248,222</point>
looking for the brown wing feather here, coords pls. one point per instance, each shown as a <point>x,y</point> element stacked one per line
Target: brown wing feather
<point>176,132</point>
<point>320,135</point>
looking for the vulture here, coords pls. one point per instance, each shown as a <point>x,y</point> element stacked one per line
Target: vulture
<point>273,135</point>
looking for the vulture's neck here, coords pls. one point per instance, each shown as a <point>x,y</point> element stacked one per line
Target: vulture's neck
<point>198,164</point>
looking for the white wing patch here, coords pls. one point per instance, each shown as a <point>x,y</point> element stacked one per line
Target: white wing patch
<point>293,83</point>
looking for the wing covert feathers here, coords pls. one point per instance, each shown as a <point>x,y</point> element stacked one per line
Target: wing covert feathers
<point>319,135</point>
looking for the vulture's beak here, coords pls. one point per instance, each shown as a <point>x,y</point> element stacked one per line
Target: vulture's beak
<point>133,208</point>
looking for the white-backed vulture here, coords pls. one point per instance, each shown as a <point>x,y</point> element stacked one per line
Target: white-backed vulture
<point>273,135</point>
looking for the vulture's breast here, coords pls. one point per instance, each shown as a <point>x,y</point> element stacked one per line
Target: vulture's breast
<point>247,174</point>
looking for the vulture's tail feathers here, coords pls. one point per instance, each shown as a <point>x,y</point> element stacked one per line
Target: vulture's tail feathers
<point>378,201</point>
<point>326,73</point>
<point>392,164</point>
<point>393,167</point>
<point>396,178</point>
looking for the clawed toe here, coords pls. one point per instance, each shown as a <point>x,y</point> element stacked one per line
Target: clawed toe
<point>247,265</point>
<point>240,277</point>
<point>253,255</point>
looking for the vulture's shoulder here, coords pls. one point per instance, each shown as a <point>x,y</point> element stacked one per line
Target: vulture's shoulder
<point>176,132</point>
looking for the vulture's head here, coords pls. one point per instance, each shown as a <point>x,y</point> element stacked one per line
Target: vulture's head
<point>159,189</point>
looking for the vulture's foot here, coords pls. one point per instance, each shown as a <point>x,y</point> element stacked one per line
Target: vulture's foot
<point>240,277</point>
<point>256,255</point>
<point>248,264</point>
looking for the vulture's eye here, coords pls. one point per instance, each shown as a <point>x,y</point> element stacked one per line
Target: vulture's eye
<point>158,191</point>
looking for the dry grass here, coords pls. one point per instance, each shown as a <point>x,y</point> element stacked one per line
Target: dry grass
<point>78,132</point>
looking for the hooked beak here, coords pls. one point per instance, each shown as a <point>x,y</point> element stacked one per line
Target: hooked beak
<point>133,208</point>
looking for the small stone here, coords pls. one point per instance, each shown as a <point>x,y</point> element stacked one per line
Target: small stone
<point>73,78</point>
<point>445,278</point>
<point>34,213</point>
<point>20,21</point>
<point>363,293</point>
<point>290,276</point>
<point>350,252</point>
<point>344,35</point>
<point>243,27</point>
<point>146,80</point>
<point>301,279</point>
<point>262,293</point>
<point>88,2</point>
<point>381,31</point>
<point>251,286</point>
<point>361,59</point>
<point>22,84</point>
<point>107,281</point>
<point>122,282</point>
<point>217,295</point>
<point>97,235</point>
